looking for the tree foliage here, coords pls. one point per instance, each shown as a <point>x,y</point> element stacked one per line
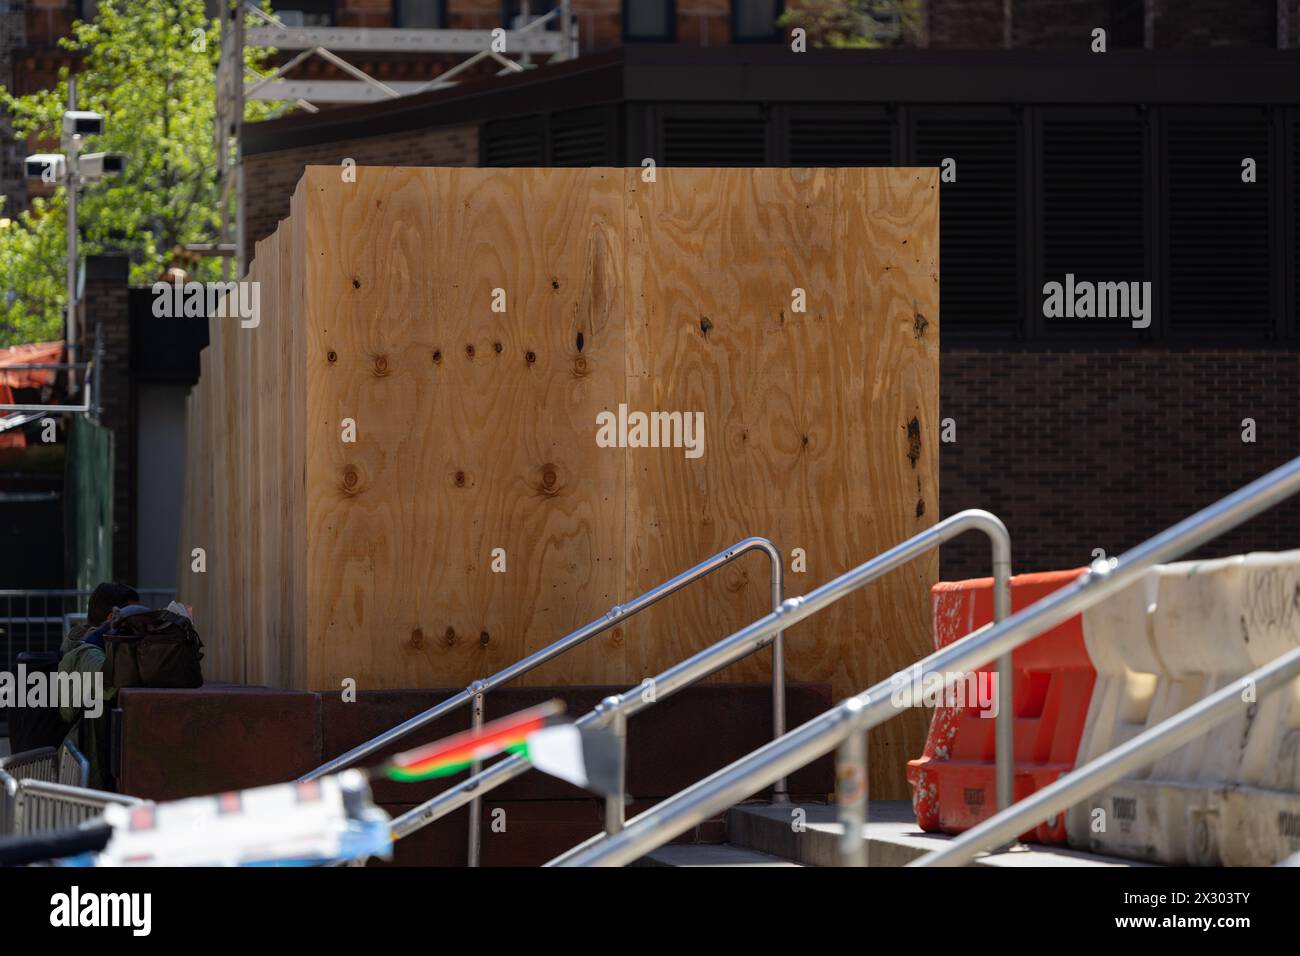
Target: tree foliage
<point>861,24</point>
<point>149,66</point>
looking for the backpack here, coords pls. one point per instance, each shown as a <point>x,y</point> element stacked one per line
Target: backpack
<point>153,649</point>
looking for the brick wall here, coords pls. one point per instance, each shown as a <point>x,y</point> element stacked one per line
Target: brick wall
<point>270,178</point>
<point>1078,450</point>
<point>47,20</point>
<point>1205,23</point>
<point>600,22</point>
<point>1184,24</point>
<point>964,24</point>
<point>362,13</point>
<point>1069,23</point>
<point>704,22</point>
<point>106,303</point>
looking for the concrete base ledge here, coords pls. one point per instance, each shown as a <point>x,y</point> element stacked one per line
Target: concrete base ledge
<point>893,838</point>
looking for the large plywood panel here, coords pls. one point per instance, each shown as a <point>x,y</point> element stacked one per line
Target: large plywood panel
<point>244,498</point>
<point>473,425</point>
<point>476,426</point>
<point>808,414</point>
<point>892,217</point>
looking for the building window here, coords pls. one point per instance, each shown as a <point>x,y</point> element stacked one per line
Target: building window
<point>754,21</point>
<point>649,21</point>
<point>305,13</point>
<point>512,12</point>
<point>420,14</point>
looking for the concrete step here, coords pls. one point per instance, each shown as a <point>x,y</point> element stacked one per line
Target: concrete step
<point>704,854</point>
<point>893,838</point>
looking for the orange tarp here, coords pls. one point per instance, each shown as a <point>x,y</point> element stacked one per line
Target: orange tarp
<point>36,353</point>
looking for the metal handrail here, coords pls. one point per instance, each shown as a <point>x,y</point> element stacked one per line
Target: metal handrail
<point>614,711</point>
<point>1148,746</point>
<point>746,776</point>
<point>619,612</point>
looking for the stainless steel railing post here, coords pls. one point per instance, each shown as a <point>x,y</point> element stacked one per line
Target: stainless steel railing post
<point>780,791</point>
<point>1004,730</point>
<point>615,806</point>
<point>851,799</point>
<point>476,806</point>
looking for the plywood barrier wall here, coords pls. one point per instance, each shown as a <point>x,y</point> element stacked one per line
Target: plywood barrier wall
<point>472,324</point>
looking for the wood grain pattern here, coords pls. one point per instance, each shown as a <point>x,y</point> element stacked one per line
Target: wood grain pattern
<point>476,428</point>
<point>807,413</point>
<point>243,475</point>
<point>469,422</point>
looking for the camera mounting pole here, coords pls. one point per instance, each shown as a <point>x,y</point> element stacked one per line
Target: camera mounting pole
<point>70,146</point>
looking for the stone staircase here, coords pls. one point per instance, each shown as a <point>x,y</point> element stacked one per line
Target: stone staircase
<point>808,834</point>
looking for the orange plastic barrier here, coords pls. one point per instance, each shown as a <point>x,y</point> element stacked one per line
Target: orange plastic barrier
<point>953,782</point>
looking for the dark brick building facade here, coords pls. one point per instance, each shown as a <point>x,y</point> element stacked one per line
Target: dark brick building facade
<point>954,24</point>
<point>1080,435</point>
<point>1085,449</point>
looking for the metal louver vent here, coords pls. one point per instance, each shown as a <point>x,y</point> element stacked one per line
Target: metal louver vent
<point>723,139</point>
<point>1094,210</point>
<point>979,216</point>
<point>843,140</point>
<point>581,138</point>
<point>1217,232</point>
<point>520,142</point>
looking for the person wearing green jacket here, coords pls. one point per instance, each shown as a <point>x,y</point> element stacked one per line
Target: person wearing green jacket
<point>90,733</point>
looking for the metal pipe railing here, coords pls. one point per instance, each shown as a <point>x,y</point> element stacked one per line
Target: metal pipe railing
<point>620,612</point>
<point>614,615</point>
<point>1148,746</point>
<point>819,736</point>
<point>766,630</point>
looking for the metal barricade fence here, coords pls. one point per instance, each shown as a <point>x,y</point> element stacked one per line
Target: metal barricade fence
<point>74,768</point>
<point>65,767</point>
<point>40,764</point>
<point>36,620</point>
<point>40,807</point>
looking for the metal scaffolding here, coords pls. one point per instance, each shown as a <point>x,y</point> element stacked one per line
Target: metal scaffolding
<point>243,25</point>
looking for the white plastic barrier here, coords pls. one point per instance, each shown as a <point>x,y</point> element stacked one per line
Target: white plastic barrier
<point>1186,630</point>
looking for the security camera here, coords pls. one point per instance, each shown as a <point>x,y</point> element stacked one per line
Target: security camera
<point>94,166</point>
<point>82,123</point>
<point>47,167</point>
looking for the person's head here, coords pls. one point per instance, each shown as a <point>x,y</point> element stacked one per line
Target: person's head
<point>107,596</point>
